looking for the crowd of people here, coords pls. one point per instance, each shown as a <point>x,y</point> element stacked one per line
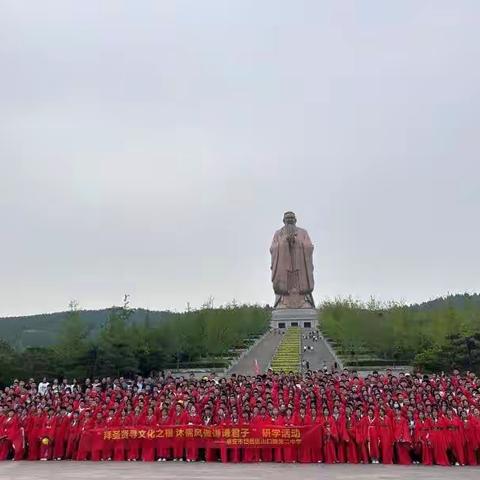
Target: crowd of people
<point>381,418</point>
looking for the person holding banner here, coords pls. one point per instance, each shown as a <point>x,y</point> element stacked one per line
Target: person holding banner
<point>277,420</point>
<point>235,452</point>
<point>149,422</point>
<point>261,422</point>
<point>207,421</point>
<point>290,451</point>
<point>133,442</point>
<point>107,447</point>
<point>222,420</point>
<point>191,448</point>
<point>162,445</point>
<point>120,447</point>
<point>97,438</point>
<point>178,418</point>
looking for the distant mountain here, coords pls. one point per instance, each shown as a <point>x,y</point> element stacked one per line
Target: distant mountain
<point>42,330</point>
<point>457,302</point>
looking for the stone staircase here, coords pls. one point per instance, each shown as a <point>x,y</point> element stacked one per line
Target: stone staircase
<point>259,356</point>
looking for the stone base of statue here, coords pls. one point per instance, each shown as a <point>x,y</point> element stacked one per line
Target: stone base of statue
<point>294,317</point>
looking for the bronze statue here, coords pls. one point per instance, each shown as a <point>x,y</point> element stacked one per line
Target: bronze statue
<point>292,265</point>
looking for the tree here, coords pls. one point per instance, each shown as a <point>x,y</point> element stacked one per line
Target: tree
<point>72,349</point>
<point>7,363</point>
<point>116,355</point>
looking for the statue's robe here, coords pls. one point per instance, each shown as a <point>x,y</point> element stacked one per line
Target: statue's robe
<point>292,265</point>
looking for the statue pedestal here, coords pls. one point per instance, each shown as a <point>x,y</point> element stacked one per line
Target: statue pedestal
<point>294,317</point>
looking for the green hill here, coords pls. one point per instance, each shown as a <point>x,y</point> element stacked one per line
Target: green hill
<point>42,330</point>
<point>440,334</point>
<point>457,302</point>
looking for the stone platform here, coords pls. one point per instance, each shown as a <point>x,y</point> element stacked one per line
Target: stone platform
<point>294,317</point>
<point>206,471</point>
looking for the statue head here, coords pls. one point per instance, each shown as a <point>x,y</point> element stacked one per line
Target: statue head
<point>289,218</point>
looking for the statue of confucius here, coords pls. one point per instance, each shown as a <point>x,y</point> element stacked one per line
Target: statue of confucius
<point>292,265</point>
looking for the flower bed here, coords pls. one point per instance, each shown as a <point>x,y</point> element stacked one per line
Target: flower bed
<point>287,357</point>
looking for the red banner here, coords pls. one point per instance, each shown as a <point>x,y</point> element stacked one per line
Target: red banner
<point>216,436</point>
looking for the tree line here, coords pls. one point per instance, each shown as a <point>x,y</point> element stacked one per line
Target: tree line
<point>204,338</point>
<point>439,335</point>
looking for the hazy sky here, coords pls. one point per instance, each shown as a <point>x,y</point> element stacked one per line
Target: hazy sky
<point>151,147</point>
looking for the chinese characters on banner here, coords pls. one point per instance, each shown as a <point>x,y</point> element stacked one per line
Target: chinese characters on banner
<point>215,436</point>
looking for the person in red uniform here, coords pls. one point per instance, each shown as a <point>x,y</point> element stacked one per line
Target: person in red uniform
<point>277,420</point>
<point>469,438</point>
<point>235,452</point>
<point>385,436</point>
<point>13,435</point>
<point>316,445</point>
<point>455,436</point>
<point>304,450</point>
<point>61,426</point>
<point>192,419</point>
<point>222,420</point>
<point>342,435</point>
<point>208,421</point>
<point>97,437</point>
<point>108,445</point>
<point>163,448</point>
<point>120,446</point>
<point>85,436</point>
<point>148,446</point>
<point>360,428</point>
<point>134,443</point>
<point>290,451</point>
<point>35,422</point>
<point>248,453</point>
<point>47,435</point>
<point>422,439</point>
<point>4,447</point>
<point>373,440</point>
<point>474,422</point>
<point>439,440</point>
<point>402,438</point>
<point>262,421</point>
<point>178,418</point>
<point>351,446</point>
<point>330,437</point>
<point>72,435</point>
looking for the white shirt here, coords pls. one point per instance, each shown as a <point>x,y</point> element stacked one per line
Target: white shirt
<point>43,387</point>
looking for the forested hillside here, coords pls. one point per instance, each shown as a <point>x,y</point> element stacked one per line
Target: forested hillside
<point>130,341</point>
<point>438,335</point>
<point>42,330</point>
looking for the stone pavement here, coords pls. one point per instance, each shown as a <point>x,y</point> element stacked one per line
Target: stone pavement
<point>320,355</point>
<point>262,352</point>
<point>202,471</point>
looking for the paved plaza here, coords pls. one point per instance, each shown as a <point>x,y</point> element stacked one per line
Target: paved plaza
<point>201,471</point>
